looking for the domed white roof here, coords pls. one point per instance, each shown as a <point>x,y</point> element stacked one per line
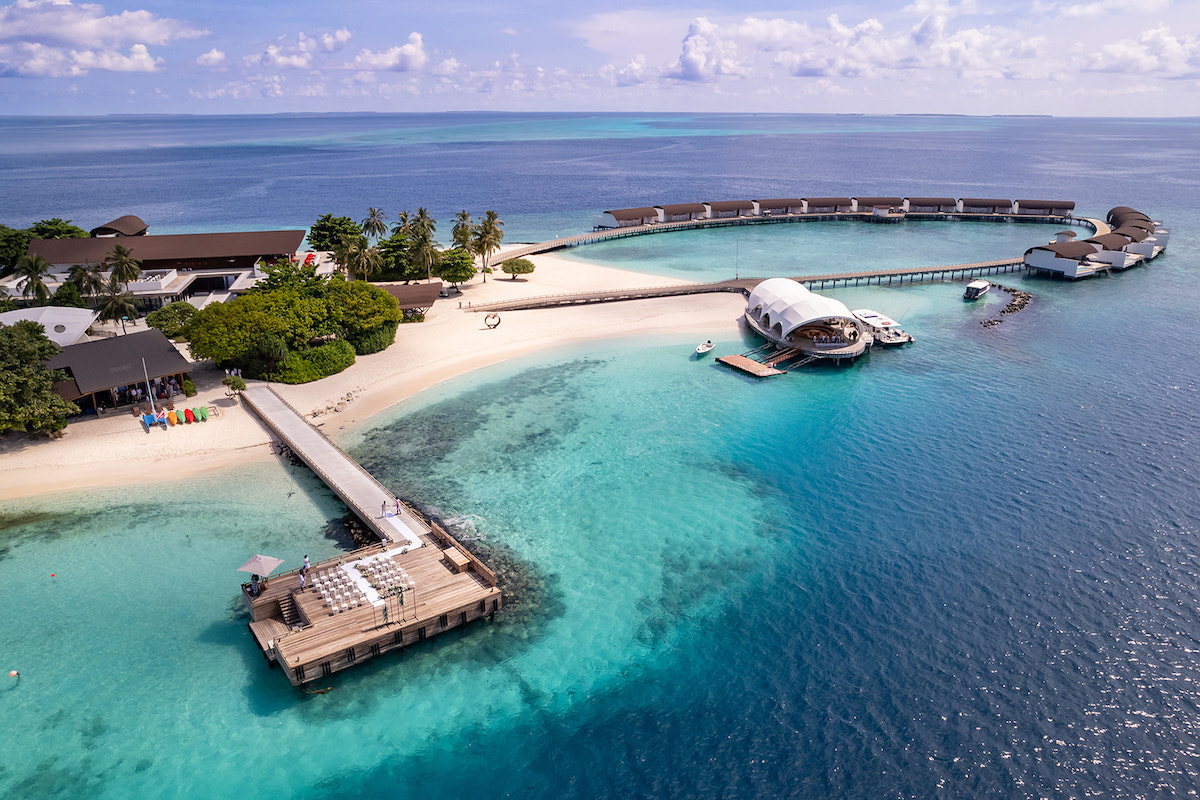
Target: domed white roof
<point>789,305</point>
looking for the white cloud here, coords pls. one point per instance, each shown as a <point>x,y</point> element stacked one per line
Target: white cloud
<point>408,57</point>
<point>213,58</point>
<point>1104,8</point>
<point>62,23</point>
<point>56,38</point>
<point>705,55</point>
<point>1154,51</point>
<point>332,42</point>
<point>138,60</point>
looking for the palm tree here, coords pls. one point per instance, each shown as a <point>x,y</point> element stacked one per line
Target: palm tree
<point>118,302</point>
<point>488,235</point>
<point>125,268</point>
<point>33,271</point>
<point>464,230</point>
<point>403,224</point>
<point>89,278</point>
<point>424,246</point>
<point>356,256</point>
<point>375,224</point>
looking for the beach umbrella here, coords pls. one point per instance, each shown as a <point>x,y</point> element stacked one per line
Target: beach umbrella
<point>260,565</point>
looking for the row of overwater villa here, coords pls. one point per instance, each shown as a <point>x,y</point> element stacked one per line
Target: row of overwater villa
<point>884,207</point>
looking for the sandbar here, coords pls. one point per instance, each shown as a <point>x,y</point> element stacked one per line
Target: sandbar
<point>115,450</point>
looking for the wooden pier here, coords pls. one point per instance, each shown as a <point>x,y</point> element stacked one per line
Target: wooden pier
<point>416,583</point>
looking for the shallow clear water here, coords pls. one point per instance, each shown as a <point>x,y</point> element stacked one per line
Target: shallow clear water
<point>964,568</point>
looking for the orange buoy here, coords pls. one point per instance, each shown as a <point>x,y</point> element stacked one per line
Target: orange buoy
<point>13,674</point>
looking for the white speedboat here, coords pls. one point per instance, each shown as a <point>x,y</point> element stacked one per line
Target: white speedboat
<point>976,290</point>
<point>885,330</point>
<point>704,347</point>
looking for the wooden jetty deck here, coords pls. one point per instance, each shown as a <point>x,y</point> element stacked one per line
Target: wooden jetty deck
<point>364,495</point>
<point>366,609</point>
<point>750,366</point>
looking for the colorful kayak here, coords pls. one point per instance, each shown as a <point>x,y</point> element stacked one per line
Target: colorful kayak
<point>188,415</point>
<point>203,413</point>
<point>171,418</point>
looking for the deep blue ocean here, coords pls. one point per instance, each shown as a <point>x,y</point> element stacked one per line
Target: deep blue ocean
<point>970,568</point>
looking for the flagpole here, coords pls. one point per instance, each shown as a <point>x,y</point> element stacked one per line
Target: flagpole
<point>149,391</point>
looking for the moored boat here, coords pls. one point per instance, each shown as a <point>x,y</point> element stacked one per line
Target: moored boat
<point>976,290</point>
<point>704,347</point>
<point>885,330</point>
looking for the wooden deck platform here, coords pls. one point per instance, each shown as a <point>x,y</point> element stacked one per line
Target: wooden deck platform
<point>304,631</point>
<point>750,366</point>
<point>416,583</point>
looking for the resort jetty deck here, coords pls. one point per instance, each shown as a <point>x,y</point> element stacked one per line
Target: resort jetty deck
<point>418,582</point>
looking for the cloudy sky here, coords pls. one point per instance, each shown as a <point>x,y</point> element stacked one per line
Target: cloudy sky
<point>1075,57</point>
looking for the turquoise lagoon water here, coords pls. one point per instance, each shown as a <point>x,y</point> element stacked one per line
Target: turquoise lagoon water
<point>966,568</point>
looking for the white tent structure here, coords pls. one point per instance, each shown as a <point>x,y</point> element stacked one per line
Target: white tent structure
<point>789,315</point>
<point>64,326</point>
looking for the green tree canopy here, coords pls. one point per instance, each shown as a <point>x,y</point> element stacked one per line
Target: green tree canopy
<point>375,225</point>
<point>14,243</point>
<point>398,262</point>
<point>27,398</point>
<point>328,231</point>
<point>356,256</point>
<point>89,278</point>
<point>517,266</point>
<point>117,302</point>
<point>67,295</point>
<point>57,229</point>
<point>456,266</point>
<point>172,318</point>
<point>286,273</point>
<point>489,233</point>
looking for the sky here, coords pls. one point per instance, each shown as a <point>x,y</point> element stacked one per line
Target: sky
<point>1071,58</point>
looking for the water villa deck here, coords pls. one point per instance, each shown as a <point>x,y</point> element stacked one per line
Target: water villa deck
<point>416,583</point>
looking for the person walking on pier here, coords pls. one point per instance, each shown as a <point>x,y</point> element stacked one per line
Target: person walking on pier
<point>302,580</point>
<point>397,506</point>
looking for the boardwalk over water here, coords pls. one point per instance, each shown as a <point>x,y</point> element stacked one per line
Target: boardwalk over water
<point>364,495</point>
<point>744,286</point>
<point>416,583</point>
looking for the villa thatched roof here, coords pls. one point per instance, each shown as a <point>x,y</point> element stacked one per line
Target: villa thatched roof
<point>731,205</point>
<point>674,209</point>
<point>621,214</point>
<point>1046,205</point>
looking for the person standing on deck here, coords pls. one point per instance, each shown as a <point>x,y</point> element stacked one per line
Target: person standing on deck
<point>301,580</point>
<point>306,564</point>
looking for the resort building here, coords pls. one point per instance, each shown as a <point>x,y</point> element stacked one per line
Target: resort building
<point>107,373</point>
<point>790,316</point>
<point>626,217</point>
<point>930,205</point>
<point>866,205</point>
<point>827,205</point>
<point>978,205</point>
<point>779,207</point>
<point>1044,208</point>
<point>64,326</point>
<point>678,212</point>
<point>200,267</point>
<point>1136,239</point>
<point>731,208</point>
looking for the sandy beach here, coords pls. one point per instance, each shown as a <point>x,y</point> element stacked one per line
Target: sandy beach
<point>114,449</point>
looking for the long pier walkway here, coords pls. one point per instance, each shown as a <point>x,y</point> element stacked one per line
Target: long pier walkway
<point>1099,226</point>
<point>364,495</point>
<point>745,285</point>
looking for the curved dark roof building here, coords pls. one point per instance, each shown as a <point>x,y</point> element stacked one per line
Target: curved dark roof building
<point>128,225</point>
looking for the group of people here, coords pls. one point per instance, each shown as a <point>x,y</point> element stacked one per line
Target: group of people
<point>828,339</point>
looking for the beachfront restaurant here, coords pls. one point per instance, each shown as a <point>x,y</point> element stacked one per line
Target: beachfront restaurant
<point>109,373</point>
<point>789,315</point>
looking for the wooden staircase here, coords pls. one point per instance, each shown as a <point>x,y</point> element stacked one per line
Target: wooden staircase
<point>287,607</point>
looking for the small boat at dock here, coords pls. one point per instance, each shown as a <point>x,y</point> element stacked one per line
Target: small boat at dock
<point>885,330</point>
<point>704,347</point>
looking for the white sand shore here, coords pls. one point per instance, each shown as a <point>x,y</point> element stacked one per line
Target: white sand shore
<point>115,450</point>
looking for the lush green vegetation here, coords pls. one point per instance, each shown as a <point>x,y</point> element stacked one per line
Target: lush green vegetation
<point>517,266</point>
<point>14,242</point>
<point>172,318</point>
<point>27,398</point>
<point>411,252</point>
<point>328,231</point>
<point>295,327</point>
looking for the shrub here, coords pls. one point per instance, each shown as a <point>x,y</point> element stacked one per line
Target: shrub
<point>172,318</point>
<point>375,341</point>
<point>305,366</point>
<point>189,388</point>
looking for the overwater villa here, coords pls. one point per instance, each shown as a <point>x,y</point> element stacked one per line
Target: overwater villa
<point>793,318</point>
<point>1133,239</point>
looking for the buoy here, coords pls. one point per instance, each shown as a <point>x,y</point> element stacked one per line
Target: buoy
<point>51,574</point>
<point>12,673</point>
